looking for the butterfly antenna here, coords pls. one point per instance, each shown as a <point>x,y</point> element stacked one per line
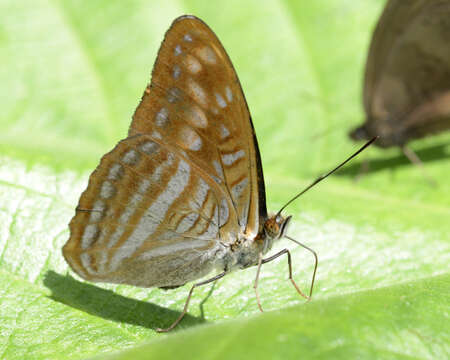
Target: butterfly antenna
<point>321,177</point>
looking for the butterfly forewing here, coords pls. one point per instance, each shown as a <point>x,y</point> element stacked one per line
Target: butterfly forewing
<point>407,76</point>
<point>187,178</point>
<point>196,103</point>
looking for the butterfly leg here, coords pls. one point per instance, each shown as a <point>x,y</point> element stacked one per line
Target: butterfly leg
<point>255,285</point>
<point>412,156</point>
<point>363,170</point>
<point>316,262</point>
<point>288,253</point>
<point>273,257</point>
<point>186,305</point>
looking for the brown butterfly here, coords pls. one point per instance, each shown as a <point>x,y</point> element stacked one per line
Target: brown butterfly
<point>407,79</point>
<point>183,194</point>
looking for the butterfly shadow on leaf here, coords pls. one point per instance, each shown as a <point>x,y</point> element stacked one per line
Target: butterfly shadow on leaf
<point>426,155</point>
<point>111,306</point>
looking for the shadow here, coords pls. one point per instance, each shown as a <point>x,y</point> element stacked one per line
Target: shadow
<point>211,290</point>
<point>426,155</point>
<point>111,306</point>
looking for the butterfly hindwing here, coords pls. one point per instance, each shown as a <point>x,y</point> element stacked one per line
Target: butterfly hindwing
<point>143,201</point>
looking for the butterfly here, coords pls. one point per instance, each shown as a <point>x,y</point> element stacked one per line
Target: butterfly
<point>406,92</point>
<point>183,195</point>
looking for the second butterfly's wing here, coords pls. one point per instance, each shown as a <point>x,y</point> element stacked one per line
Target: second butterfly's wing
<point>161,207</point>
<point>407,78</point>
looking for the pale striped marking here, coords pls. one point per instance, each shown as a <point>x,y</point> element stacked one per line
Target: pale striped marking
<point>237,189</point>
<point>197,93</point>
<point>228,94</point>
<point>153,216</point>
<point>134,201</point>
<point>176,71</point>
<point>244,215</point>
<point>230,159</point>
<point>224,212</point>
<point>218,168</point>
<point>187,222</point>
<point>115,172</point>
<point>200,201</point>
<point>156,176</point>
<point>216,179</point>
<point>90,234</point>
<point>97,211</point>
<point>190,244</point>
<point>149,147</point>
<point>192,64</point>
<point>220,100</point>
<point>156,135</point>
<point>206,54</point>
<point>114,238</point>
<point>131,157</point>
<point>200,195</point>
<point>187,38</point>
<point>174,95</point>
<point>133,204</point>
<point>211,231</point>
<point>224,132</point>
<point>177,51</point>
<point>162,117</point>
<point>86,262</point>
<point>196,117</point>
<point>189,139</point>
<point>107,190</point>
<point>144,185</point>
<point>101,259</point>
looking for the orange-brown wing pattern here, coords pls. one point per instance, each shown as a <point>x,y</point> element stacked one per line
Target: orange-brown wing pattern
<point>195,102</point>
<point>408,69</point>
<point>161,206</point>
<point>145,201</point>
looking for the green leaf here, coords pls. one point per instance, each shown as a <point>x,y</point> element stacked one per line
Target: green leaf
<point>389,323</point>
<point>71,78</point>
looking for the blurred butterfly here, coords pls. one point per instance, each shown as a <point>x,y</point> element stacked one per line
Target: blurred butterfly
<point>183,194</point>
<point>407,80</point>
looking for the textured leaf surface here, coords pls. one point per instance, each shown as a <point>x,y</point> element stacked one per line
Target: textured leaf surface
<point>71,77</point>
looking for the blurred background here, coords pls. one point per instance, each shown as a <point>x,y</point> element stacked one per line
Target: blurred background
<point>71,76</point>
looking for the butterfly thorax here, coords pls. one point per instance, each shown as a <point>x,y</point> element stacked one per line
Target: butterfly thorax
<point>245,251</point>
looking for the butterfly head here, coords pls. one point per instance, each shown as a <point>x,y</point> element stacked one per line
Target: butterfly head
<point>388,133</point>
<point>360,133</point>
<point>275,227</point>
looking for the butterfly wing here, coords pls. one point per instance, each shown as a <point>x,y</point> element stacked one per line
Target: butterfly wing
<point>407,69</point>
<point>161,207</point>
<point>147,218</point>
<point>195,102</point>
